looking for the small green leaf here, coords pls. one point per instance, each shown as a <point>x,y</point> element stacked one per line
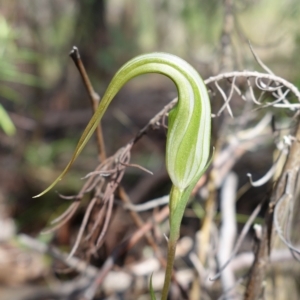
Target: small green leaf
<point>11,74</point>
<point>152,294</point>
<point>6,123</point>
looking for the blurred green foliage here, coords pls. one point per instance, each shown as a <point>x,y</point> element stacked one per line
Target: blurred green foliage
<point>44,154</point>
<point>11,56</point>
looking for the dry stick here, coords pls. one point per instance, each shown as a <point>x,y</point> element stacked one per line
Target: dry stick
<point>292,219</point>
<point>228,232</point>
<point>94,98</point>
<point>83,226</point>
<point>268,70</point>
<point>227,99</point>
<point>240,239</point>
<point>255,286</point>
<point>206,228</point>
<point>68,214</point>
<point>100,239</point>
<point>205,234</point>
<point>263,180</point>
<point>108,196</point>
<point>280,211</point>
<point>155,120</point>
<point>149,205</point>
<point>247,74</point>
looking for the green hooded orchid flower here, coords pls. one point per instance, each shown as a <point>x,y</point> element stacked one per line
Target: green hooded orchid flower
<point>188,138</point>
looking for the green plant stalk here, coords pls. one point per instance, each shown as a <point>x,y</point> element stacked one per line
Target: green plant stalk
<point>177,205</point>
<point>176,214</point>
<point>188,139</point>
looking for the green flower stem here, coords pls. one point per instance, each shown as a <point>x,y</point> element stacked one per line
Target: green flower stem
<point>177,204</point>
<point>175,221</point>
<point>169,268</point>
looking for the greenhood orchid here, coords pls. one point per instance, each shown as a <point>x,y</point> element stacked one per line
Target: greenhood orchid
<point>188,139</point>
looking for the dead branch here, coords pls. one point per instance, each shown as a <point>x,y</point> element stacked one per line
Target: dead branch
<point>255,286</point>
